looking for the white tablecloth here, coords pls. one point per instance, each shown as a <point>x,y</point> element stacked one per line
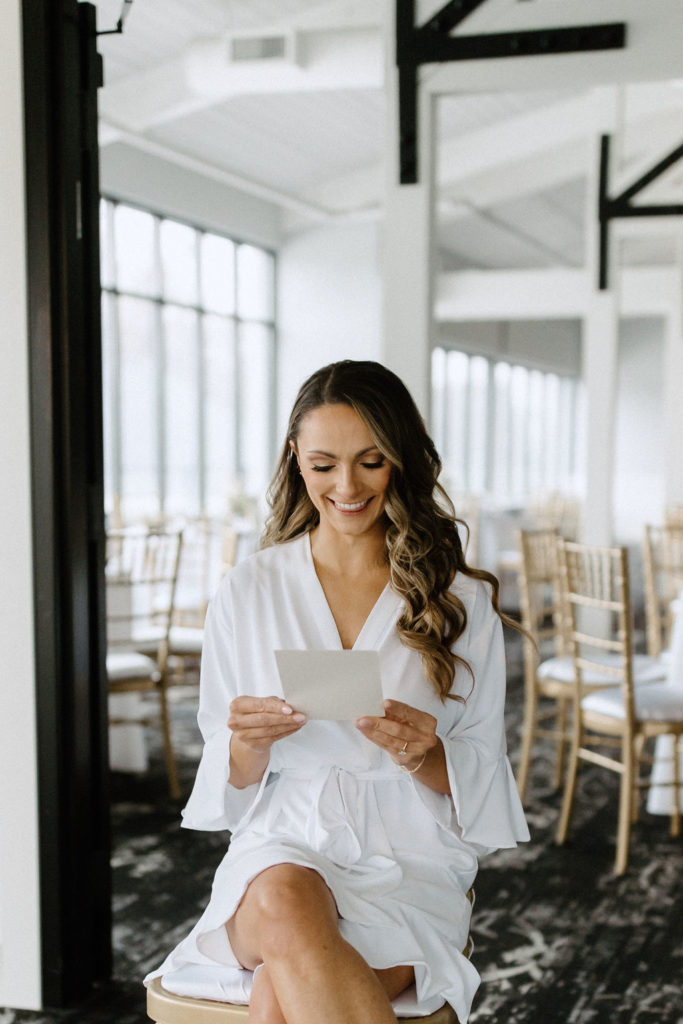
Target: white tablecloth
<point>660,798</point>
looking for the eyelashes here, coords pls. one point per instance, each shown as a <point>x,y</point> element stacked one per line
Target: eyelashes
<point>365,465</point>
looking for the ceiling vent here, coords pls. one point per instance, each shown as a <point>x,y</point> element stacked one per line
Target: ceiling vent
<point>272,47</point>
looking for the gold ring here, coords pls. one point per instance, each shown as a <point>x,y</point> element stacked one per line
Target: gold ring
<point>404,749</point>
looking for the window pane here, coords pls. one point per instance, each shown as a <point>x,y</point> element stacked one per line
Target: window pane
<point>109,402</point>
<point>501,447</point>
<point>219,413</point>
<point>136,269</point>
<point>179,262</point>
<point>553,429</point>
<point>107,271</point>
<point>255,283</point>
<point>181,408</point>
<point>255,368</point>
<point>139,428</point>
<point>439,398</point>
<point>478,423</point>
<point>217,274</point>
<point>518,432</point>
<point>456,420</point>
<point>538,432</point>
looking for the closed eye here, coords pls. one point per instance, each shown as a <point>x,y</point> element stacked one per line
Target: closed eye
<point>321,469</point>
<point>373,465</point>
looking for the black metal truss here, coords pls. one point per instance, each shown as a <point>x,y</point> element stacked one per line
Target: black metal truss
<point>621,206</point>
<point>432,43</point>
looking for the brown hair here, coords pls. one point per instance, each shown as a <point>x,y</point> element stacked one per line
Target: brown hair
<point>423,545</point>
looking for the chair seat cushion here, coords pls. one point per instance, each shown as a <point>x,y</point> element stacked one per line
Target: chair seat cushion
<point>231,985</point>
<point>185,640</point>
<point>659,702</point>
<point>122,665</point>
<point>645,670</point>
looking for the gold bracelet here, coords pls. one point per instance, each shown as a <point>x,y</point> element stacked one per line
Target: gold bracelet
<point>411,771</point>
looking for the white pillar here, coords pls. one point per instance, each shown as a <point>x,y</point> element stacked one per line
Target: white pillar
<point>673,390</point>
<point>20,956</point>
<point>600,354</point>
<point>406,241</point>
<point>600,350</point>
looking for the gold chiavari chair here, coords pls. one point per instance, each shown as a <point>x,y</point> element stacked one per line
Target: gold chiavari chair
<point>468,510</point>
<point>164,1007</point>
<point>663,574</point>
<point>619,717</point>
<point>141,577</point>
<point>673,515</point>
<point>547,669</point>
<point>208,552</point>
<point>548,666</point>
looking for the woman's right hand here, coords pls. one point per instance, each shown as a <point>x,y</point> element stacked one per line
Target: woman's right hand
<point>256,723</point>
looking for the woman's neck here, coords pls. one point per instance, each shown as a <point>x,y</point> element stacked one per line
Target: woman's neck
<point>346,555</point>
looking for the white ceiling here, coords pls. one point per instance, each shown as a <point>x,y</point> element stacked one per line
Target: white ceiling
<point>310,133</point>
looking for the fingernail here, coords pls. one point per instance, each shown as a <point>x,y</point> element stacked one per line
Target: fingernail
<point>285,709</point>
<point>298,717</point>
<point>362,723</point>
<point>387,703</point>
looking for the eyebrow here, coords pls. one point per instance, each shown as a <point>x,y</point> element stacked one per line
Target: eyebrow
<point>330,455</point>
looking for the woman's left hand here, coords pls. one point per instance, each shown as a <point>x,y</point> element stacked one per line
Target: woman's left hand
<point>405,733</point>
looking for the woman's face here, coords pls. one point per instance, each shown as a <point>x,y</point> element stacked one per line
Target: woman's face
<point>344,471</point>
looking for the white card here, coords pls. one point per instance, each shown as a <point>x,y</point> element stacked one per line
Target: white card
<point>334,685</point>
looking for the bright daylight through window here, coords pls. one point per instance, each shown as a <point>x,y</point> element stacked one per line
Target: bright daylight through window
<point>505,431</point>
<point>188,346</point>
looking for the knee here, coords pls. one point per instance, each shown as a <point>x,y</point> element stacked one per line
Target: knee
<point>293,904</point>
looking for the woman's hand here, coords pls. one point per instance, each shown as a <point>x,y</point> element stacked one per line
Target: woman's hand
<point>405,733</point>
<point>256,723</point>
<point>409,737</point>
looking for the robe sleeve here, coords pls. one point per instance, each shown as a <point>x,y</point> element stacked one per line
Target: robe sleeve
<point>487,807</point>
<point>214,804</point>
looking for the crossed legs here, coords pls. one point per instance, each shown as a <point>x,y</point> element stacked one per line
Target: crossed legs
<point>287,921</point>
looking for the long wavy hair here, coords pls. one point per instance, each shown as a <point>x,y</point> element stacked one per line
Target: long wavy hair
<point>423,545</point>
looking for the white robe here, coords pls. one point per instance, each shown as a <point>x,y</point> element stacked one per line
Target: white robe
<point>398,857</point>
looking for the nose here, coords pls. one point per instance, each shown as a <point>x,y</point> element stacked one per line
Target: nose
<point>347,482</point>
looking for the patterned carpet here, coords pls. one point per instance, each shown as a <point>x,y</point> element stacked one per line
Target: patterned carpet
<point>558,939</point>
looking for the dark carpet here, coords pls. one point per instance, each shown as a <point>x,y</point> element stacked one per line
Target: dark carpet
<point>558,939</point>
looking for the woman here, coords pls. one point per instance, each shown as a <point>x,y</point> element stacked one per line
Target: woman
<point>353,844</point>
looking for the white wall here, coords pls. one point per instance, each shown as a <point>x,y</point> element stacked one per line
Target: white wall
<point>552,345</point>
<point>639,477</point>
<point>20,984</point>
<point>328,304</point>
<point>144,179</point>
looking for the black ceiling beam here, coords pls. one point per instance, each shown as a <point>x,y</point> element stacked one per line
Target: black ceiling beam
<point>431,48</point>
<point>621,206</point>
<point>651,175</point>
<point>451,15</point>
<point>432,43</point>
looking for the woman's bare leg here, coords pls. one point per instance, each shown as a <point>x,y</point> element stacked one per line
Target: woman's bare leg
<point>265,1009</point>
<point>288,921</point>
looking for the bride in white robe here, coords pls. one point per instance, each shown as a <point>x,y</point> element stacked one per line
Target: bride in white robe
<point>391,814</point>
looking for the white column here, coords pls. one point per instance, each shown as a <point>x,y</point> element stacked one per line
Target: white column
<point>600,353</point>
<point>406,241</point>
<point>20,958</point>
<point>673,390</point>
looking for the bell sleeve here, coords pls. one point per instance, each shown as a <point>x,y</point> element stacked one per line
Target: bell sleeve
<point>214,804</point>
<point>488,811</point>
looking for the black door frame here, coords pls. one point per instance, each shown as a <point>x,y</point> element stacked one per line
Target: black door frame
<point>62,72</point>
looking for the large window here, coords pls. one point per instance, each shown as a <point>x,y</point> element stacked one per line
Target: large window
<point>504,430</point>
<point>189,349</point>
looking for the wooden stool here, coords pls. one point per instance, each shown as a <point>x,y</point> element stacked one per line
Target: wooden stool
<point>166,1008</point>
